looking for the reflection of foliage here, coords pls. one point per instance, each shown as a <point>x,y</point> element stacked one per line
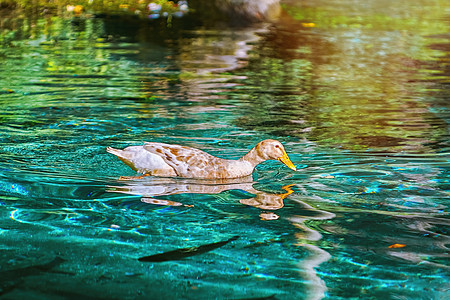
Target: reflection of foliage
<point>377,19</point>
<point>77,7</point>
<point>361,92</point>
<point>343,78</point>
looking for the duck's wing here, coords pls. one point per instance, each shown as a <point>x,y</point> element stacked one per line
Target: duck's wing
<point>189,162</point>
<point>142,161</point>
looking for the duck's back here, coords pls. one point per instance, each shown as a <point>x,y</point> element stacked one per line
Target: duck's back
<point>194,163</point>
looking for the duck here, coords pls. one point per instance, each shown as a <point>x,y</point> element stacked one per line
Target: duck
<point>170,160</point>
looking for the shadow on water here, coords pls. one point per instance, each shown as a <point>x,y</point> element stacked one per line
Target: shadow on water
<point>11,279</point>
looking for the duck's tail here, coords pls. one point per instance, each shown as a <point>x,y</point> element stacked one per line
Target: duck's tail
<point>126,157</point>
<point>116,152</point>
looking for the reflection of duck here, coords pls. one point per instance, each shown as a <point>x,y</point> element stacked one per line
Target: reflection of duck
<point>268,201</point>
<point>170,186</point>
<point>168,160</point>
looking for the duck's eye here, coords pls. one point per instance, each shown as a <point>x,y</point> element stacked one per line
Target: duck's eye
<point>277,146</point>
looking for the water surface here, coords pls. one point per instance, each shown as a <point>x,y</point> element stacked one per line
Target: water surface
<point>356,91</point>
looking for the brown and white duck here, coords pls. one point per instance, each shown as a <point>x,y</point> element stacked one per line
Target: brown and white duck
<point>168,160</point>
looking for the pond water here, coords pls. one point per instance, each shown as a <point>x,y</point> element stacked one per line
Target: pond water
<point>357,91</point>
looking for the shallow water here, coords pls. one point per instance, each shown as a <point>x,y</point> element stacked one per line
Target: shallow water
<point>356,91</point>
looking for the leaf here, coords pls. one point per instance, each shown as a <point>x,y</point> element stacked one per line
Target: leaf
<point>397,246</point>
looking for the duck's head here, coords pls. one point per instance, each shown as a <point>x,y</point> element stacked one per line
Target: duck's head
<point>272,149</point>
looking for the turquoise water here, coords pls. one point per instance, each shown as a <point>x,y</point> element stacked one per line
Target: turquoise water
<point>357,93</point>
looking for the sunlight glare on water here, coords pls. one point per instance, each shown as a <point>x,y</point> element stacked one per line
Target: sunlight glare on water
<point>356,91</point>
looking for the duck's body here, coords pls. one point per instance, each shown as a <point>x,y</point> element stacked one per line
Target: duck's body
<point>167,160</point>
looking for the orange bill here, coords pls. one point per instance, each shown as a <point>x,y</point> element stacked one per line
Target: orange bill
<point>288,189</point>
<point>285,160</point>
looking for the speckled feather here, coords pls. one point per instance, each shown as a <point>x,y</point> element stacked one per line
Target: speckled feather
<point>191,162</point>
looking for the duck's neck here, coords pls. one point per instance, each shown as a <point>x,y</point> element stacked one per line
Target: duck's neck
<point>253,157</point>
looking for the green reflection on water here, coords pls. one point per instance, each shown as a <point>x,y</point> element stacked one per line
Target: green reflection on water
<point>354,77</point>
<point>362,88</point>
